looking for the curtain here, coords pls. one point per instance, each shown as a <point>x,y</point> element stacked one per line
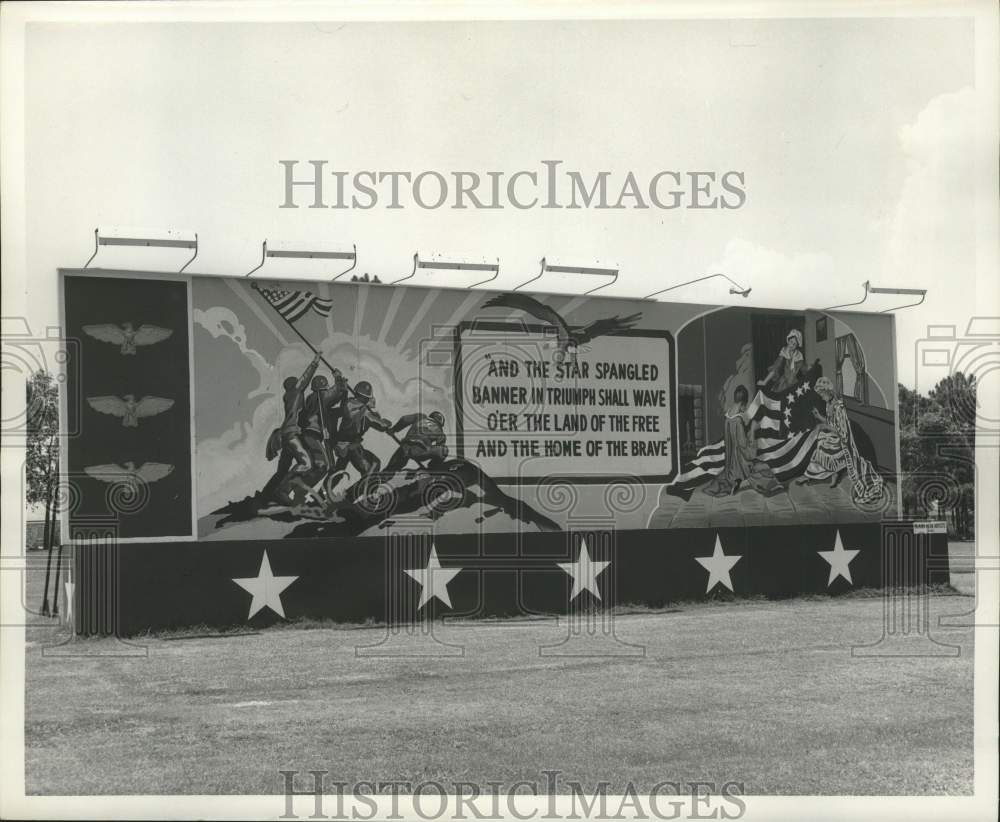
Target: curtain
<point>841,353</point>
<point>848,346</point>
<point>858,358</point>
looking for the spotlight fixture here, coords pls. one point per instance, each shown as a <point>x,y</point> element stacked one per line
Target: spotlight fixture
<point>736,288</point>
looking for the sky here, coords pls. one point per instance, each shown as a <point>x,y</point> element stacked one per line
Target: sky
<point>857,148</point>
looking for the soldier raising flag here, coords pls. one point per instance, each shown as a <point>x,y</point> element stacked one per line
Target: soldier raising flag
<point>357,415</point>
<point>287,439</point>
<point>333,418</point>
<point>319,416</point>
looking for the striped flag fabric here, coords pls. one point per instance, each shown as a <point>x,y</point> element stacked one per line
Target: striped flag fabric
<point>786,437</point>
<point>294,304</point>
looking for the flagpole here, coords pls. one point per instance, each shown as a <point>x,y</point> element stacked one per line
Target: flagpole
<point>312,348</point>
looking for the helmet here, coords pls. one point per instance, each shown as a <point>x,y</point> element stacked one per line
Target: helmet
<point>438,417</point>
<point>363,390</point>
<point>289,383</point>
<point>319,383</point>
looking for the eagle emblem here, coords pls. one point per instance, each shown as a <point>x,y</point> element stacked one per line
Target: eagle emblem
<point>128,408</point>
<point>129,474</point>
<point>127,336</point>
<point>569,338</point>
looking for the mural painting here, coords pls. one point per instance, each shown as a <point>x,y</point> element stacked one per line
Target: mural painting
<point>358,439</point>
<point>803,428</point>
<point>350,437</point>
<point>337,411</point>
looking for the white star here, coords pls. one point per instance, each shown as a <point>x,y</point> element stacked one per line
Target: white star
<point>840,561</point>
<point>718,566</point>
<point>433,580</point>
<point>584,572</point>
<point>266,589</point>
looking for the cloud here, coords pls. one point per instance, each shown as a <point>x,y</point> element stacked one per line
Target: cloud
<point>927,239</point>
<point>223,462</point>
<point>932,229</point>
<point>778,279</point>
<point>932,239</point>
<point>223,322</point>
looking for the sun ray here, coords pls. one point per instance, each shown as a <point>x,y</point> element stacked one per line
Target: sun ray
<point>441,333</point>
<point>327,291</point>
<point>359,312</point>
<point>390,315</point>
<point>462,310</point>
<point>572,305</point>
<point>418,317</point>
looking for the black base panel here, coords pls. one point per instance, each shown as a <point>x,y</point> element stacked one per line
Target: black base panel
<point>128,589</point>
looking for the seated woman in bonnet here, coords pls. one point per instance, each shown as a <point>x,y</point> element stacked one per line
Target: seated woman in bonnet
<point>789,367</point>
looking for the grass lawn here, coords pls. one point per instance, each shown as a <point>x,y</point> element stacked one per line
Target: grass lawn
<point>762,692</point>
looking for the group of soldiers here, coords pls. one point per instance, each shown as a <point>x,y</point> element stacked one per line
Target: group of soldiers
<point>322,432</point>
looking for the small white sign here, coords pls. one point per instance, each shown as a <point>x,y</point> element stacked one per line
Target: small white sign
<point>931,526</point>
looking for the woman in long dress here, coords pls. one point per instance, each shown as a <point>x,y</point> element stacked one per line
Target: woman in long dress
<point>742,464</point>
<point>836,451</point>
<point>789,367</point>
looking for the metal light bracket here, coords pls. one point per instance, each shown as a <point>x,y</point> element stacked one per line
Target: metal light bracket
<point>172,240</point>
<point>866,285</point>
<point>547,268</point>
<point>306,254</point>
<point>451,265</point>
<point>736,288</point>
<point>913,292</point>
<point>870,289</point>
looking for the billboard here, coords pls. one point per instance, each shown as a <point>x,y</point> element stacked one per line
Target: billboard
<point>241,411</point>
<point>234,408</point>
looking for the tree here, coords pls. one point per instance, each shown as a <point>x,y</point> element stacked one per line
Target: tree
<point>937,448</point>
<point>955,395</point>
<point>42,460</point>
<point>911,405</point>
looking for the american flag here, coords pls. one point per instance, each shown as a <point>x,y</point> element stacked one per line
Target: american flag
<point>786,436</point>
<point>294,304</point>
